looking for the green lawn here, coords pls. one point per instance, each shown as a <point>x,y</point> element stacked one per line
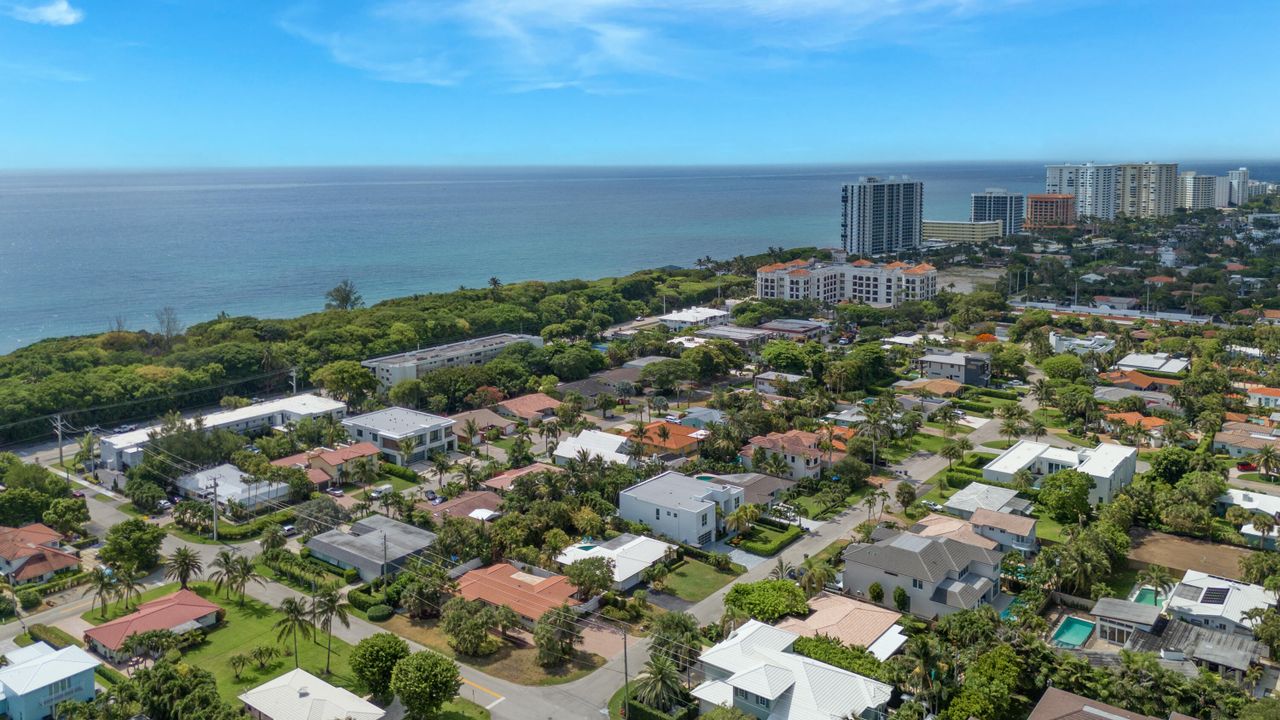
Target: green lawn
<point>767,541</point>
<point>397,485</point>
<point>1051,417</point>
<point>960,429</point>
<point>692,580</point>
<point>116,609</point>
<point>1000,444</point>
<point>927,443</point>
<point>1121,580</point>
<point>189,536</point>
<point>462,709</point>
<point>246,627</point>
<point>831,553</point>
<point>1048,529</point>
<point>1076,439</point>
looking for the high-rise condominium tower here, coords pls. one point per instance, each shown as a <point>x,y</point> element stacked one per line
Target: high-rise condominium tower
<point>999,204</point>
<point>881,217</point>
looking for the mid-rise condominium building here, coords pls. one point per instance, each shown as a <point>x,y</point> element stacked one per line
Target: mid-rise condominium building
<point>1239,181</point>
<point>1202,192</point>
<point>861,281</point>
<point>999,204</point>
<point>1050,210</point>
<point>960,231</point>
<point>391,369</point>
<point>882,217</point>
<point>1119,190</point>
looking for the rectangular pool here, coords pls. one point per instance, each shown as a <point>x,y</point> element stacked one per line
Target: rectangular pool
<point>1147,596</point>
<point>1073,632</point>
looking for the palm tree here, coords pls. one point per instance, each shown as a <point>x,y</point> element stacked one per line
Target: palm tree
<point>241,573</point>
<point>1036,429</point>
<point>782,570</point>
<point>1010,428</point>
<point>660,687</point>
<point>1264,524</point>
<point>102,585</point>
<point>442,465</point>
<point>408,446</point>
<point>237,663</point>
<point>952,452</point>
<point>925,668</point>
<point>364,471</point>
<point>1267,460</point>
<point>273,538</point>
<point>295,620</point>
<point>86,451</point>
<point>470,474</point>
<point>816,576</point>
<point>471,429</point>
<point>129,582</point>
<point>221,566</point>
<point>776,466</point>
<point>1158,578</point>
<point>183,565</point>
<point>1042,391</point>
<point>325,608</point>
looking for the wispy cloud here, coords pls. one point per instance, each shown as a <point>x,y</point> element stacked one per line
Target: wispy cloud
<point>595,44</point>
<point>28,71</point>
<point>54,12</point>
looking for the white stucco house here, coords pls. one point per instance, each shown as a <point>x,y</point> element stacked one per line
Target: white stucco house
<point>1111,466</point>
<point>679,506</point>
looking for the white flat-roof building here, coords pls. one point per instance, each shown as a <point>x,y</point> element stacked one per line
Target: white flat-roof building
<point>299,695</point>
<point>1217,602</point>
<point>1258,503</point>
<point>228,481</point>
<point>391,369</point>
<point>1153,362</point>
<point>679,506</point>
<point>1080,346</point>
<point>631,556</point>
<point>389,427</point>
<point>694,317</point>
<point>1111,466</point>
<point>610,447</point>
<point>125,449</point>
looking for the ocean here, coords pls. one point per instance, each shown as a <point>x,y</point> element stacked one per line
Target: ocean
<point>79,249</point>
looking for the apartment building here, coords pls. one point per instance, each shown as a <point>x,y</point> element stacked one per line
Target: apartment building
<point>1048,210</point>
<point>999,204</point>
<point>1239,185</point>
<point>391,369</point>
<point>1092,186</point>
<point>1202,192</point>
<point>882,216</point>
<point>1117,190</point>
<point>393,429</point>
<point>955,231</point>
<point>884,285</point>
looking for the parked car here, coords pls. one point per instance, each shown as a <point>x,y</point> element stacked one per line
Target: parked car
<point>77,494</point>
<point>164,505</point>
<point>431,495</point>
<point>931,504</point>
<point>288,530</point>
<point>335,492</point>
<point>124,428</point>
<point>1244,466</point>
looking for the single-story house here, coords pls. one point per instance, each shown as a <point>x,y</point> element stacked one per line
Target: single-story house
<point>229,483</point>
<point>524,591</point>
<point>325,467</point>
<point>979,496</point>
<point>938,387</point>
<point>773,382</point>
<point>1058,704</point>
<point>37,677</point>
<point>177,612</point>
<point>478,505</point>
<point>1266,397</point>
<point>1137,380</point>
<point>610,447</point>
<point>1228,654</point>
<point>502,481</point>
<point>1119,619</point>
<point>33,553</point>
<point>631,556</point>
<point>485,420</point>
<point>375,546</point>
<point>700,417</point>
<point>1110,395</point>
<point>1217,603</point>
<point>590,389</point>
<point>1154,362</point>
<point>299,695</point>
<point>852,622</point>
<point>530,408</point>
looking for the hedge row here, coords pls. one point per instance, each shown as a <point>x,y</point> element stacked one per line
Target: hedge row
<point>789,536</point>
<point>85,542</point>
<point>362,599</point>
<point>110,675</point>
<point>972,406</point>
<point>253,529</point>
<point>56,638</point>
<point>403,473</point>
<point>639,711</point>
<point>60,583</point>
<point>775,524</point>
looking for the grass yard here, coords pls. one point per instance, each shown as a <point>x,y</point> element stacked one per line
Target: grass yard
<point>1000,444</point>
<point>1121,580</point>
<point>960,429</point>
<point>927,443</point>
<point>246,627</point>
<point>102,498</point>
<point>766,541</point>
<point>189,536</point>
<point>1259,477</point>
<point>1049,529</point>
<point>462,709</point>
<point>811,508</point>
<point>512,663</point>
<point>1051,417</point>
<point>397,485</point>
<point>831,553</point>
<point>1076,439</point>
<point>117,608</point>
<point>692,580</point>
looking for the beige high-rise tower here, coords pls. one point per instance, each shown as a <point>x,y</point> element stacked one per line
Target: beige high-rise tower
<point>1146,189</point>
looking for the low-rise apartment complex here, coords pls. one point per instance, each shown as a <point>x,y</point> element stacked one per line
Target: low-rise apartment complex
<point>837,281</point>
<point>954,231</point>
<point>395,429</point>
<point>391,369</point>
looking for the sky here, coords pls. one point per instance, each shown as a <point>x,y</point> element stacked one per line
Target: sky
<point>196,83</point>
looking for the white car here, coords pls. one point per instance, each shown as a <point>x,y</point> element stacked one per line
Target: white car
<point>931,504</point>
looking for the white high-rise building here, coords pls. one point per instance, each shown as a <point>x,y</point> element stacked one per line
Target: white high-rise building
<point>1093,186</point>
<point>882,217</point>
<point>1239,180</point>
<point>1222,191</point>
<point>999,204</point>
<point>1199,192</point>
<point>1146,189</point>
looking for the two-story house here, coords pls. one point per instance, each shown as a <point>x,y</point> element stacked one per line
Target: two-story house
<point>679,506</point>
<point>391,429</point>
<point>1008,531</point>
<point>755,671</point>
<point>38,677</point>
<point>1217,602</point>
<point>801,450</point>
<point>1111,466</point>
<point>33,554</point>
<point>969,368</point>
<point>939,575</point>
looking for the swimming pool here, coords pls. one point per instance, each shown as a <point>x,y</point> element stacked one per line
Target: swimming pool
<point>1147,596</point>
<point>1073,632</point>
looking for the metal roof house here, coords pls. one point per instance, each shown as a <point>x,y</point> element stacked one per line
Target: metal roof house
<point>38,677</point>
<point>375,546</point>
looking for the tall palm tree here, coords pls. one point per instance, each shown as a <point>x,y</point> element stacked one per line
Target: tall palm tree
<point>660,687</point>
<point>776,466</point>
<point>325,608</point>
<point>441,463</point>
<point>925,668</point>
<point>1042,391</point>
<point>1011,429</point>
<point>273,538</point>
<point>295,620</point>
<point>408,446</point>
<point>129,582</point>
<point>102,585</point>
<point>471,429</point>
<point>1158,578</point>
<point>1036,429</point>
<point>1266,459</point>
<point>364,471</point>
<point>222,570</point>
<point>183,565</point>
<point>1264,524</point>
<point>242,572</point>
<point>816,576</point>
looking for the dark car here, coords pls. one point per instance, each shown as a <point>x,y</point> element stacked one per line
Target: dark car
<point>431,494</point>
<point>77,494</point>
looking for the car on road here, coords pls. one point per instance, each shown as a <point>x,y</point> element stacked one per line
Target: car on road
<point>931,504</point>
<point>77,494</point>
<point>124,428</point>
<point>843,341</point>
<point>164,505</point>
<point>1245,466</point>
<point>335,492</point>
<point>288,530</point>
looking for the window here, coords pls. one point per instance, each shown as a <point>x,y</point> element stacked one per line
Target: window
<point>737,502</point>
<point>704,519</point>
<point>657,514</point>
<point>917,584</point>
<point>762,701</point>
<point>739,692</point>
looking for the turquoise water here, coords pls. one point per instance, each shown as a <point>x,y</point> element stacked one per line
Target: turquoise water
<point>1146,596</point>
<point>1073,632</point>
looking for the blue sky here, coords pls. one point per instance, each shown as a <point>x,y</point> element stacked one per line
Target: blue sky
<point>143,83</point>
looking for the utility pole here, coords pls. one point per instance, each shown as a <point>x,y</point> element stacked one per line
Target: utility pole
<point>626,676</point>
<point>293,379</point>
<point>214,500</point>
<point>57,425</point>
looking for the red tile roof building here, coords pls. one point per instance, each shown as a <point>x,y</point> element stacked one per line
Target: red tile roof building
<point>858,281</point>
<point>324,465</point>
<point>528,594</point>
<point>181,611</point>
<point>534,406</point>
<point>33,553</point>
<point>503,481</point>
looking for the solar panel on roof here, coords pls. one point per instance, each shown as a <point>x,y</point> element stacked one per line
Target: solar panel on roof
<point>1214,596</point>
<point>1187,592</point>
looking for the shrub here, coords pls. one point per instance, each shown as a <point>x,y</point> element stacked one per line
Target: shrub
<point>7,607</point>
<point>831,651</point>
<point>379,613</point>
<point>637,710</point>
<point>768,600</point>
<point>60,583</point>
<point>55,637</point>
<point>403,473</point>
<point>28,599</point>
<point>362,599</point>
<point>876,591</point>
<point>617,614</point>
<point>304,553</point>
<point>110,675</point>
<point>901,600</point>
<point>351,575</point>
<point>758,547</point>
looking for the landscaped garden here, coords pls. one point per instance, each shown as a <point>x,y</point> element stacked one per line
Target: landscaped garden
<point>767,539</point>
<point>692,580</point>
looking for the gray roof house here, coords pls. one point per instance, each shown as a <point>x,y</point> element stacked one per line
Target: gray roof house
<point>980,496</point>
<point>376,546</point>
<point>939,575</point>
<point>1119,619</point>
<point>1228,654</point>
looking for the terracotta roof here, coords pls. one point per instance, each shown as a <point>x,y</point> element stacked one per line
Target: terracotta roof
<point>43,562</point>
<point>850,621</point>
<point>350,452</point>
<point>463,505</point>
<point>794,442</point>
<point>1137,418</point>
<point>896,264</point>
<point>773,267</point>
<point>1016,524</point>
<point>25,541</point>
<point>318,476</point>
<point>1235,417</point>
<point>862,263</point>
<point>526,593</point>
<point>1271,314</point>
<point>1265,391</point>
<point>1058,704</point>
<point>1135,377</point>
<point>1236,267</point>
<point>530,406</point>
<point>1161,279</point>
<point>679,436</point>
<point>934,525</point>
<point>920,269</point>
<point>503,481</point>
<point>164,613</point>
<point>937,386</point>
